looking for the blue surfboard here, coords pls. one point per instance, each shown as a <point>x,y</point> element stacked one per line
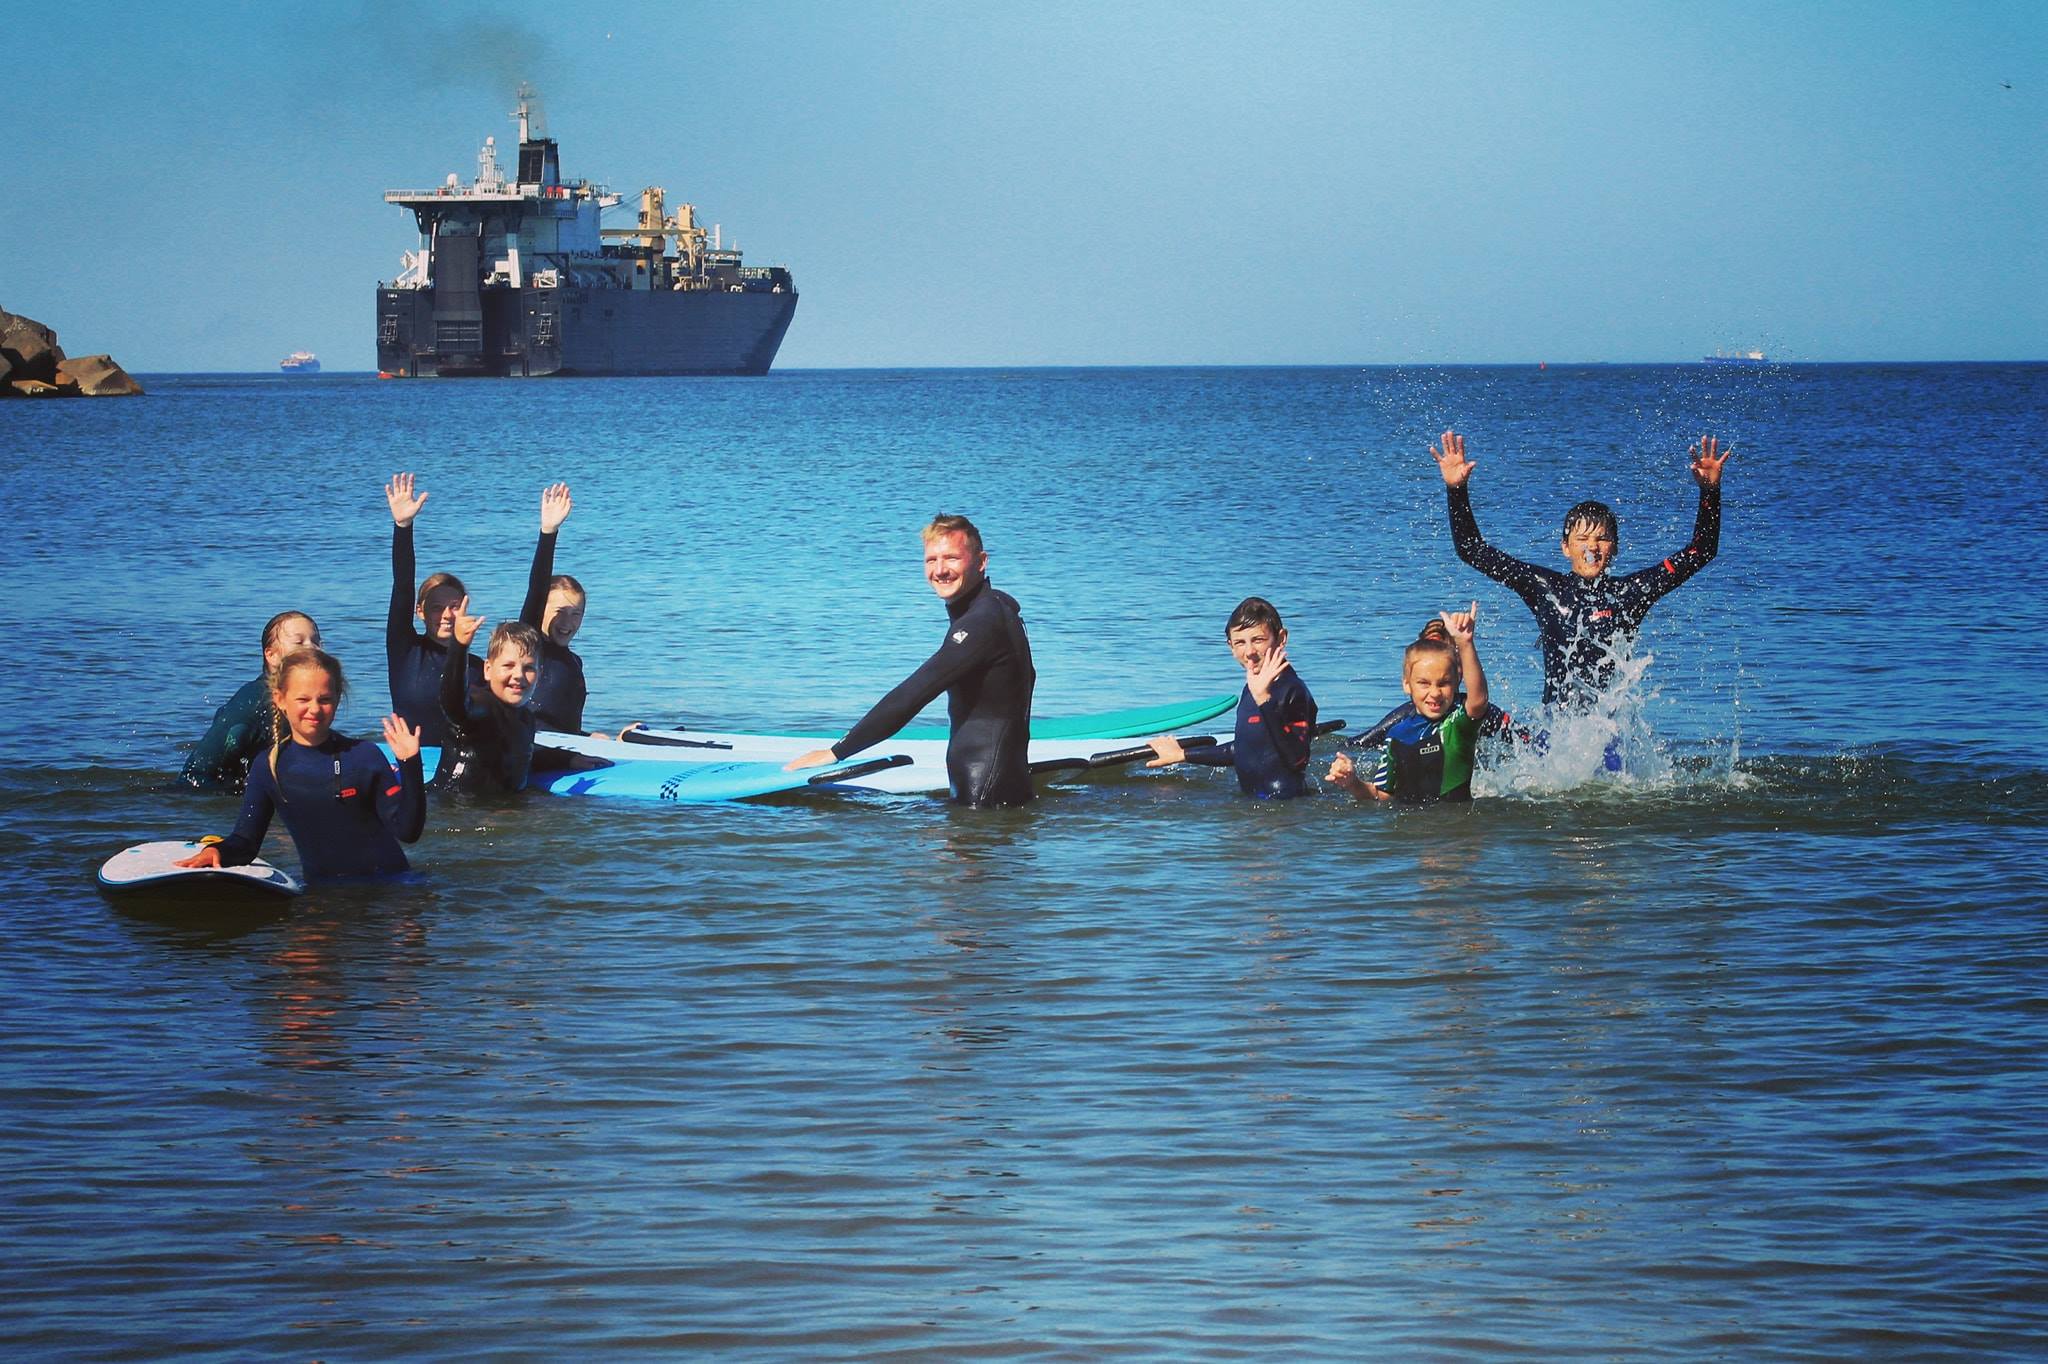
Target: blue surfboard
<point>687,783</point>
<point>703,782</point>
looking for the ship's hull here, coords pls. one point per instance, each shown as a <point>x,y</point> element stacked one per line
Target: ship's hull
<point>529,333</point>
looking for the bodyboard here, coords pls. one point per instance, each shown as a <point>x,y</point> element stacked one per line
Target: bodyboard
<point>146,868</point>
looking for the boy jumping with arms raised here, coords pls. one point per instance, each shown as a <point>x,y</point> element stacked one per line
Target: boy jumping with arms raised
<point>1586,618</point>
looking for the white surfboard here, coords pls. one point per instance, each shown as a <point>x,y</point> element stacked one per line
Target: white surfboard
<point>147,867</point>
<point>925,772</point>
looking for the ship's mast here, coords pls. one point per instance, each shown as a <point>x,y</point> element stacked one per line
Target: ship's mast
<point>525,106</point>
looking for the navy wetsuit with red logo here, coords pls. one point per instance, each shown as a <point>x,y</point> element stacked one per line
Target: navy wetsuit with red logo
<point>1586,626</point>
<point>1270,750</point>
<point>344,807</point>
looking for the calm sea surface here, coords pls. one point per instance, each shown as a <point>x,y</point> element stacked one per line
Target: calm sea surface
<point>1738,1055</point>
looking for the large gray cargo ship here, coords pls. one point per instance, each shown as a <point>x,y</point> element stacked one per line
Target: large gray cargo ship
<point>519,278</point>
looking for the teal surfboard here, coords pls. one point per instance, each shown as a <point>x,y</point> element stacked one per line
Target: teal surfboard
<point>1136,722</point>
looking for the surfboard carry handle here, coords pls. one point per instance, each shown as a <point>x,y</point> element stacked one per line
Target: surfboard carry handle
<point>861,769</point>
<point>641,736</point>
<point>1115,757</point>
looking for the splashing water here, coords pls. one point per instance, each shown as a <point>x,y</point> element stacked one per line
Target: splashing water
<point>1609,747</point>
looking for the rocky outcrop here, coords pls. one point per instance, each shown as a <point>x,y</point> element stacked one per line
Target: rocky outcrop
<point>33,365</point>
<point>96,376</point>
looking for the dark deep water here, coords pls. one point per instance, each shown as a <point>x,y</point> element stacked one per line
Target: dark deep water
<point>1738,1056</point>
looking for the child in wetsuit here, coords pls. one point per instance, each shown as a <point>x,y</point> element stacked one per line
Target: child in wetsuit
<point>1493,723</point>
<point>1428,755</point>
<point>247,723</point>
<point>491,727</point>
<point>416,660</point>
<point>1586,618</point>
<point>554,607</point>
<point>1276,716</point>
<point>345,809</point>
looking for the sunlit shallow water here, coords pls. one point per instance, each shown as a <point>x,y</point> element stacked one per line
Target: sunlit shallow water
<point>1735,1055</point>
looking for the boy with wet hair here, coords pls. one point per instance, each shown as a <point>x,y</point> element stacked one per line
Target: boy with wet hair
<point>1276,716</point>
<point>1428,754</point>
<point>490,727</point>
<point>1586,618</point>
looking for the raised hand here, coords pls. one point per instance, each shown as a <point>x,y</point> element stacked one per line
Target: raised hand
<point>1450,460</point>
<point>555,505</point>
<point>1463,625</point>
<point>403,739</point>
<point>405,503</point>
<point>1708,456</point>
<point>465,624</point>
<point>1260,676</point>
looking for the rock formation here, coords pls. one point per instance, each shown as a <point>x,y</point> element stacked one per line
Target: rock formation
<point>33,365</point>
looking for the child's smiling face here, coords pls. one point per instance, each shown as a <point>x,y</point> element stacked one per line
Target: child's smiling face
<point>510,674</point>
<point>1431,681</point>
<point>1249,645</point>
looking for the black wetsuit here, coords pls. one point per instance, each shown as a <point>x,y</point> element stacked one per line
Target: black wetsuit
<point>415,660</point>
<point>344,807</point>
<point>490,744</point>
<point>559,695</point>
<point>1585,624</point>
<point>241,729</point>
<point>1270,750</point>
<point>985,667</point>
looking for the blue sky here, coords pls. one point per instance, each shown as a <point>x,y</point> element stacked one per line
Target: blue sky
<point>198,187</point>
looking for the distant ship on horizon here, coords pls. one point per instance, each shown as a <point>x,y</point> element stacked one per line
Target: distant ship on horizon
<point>1747,357</point>
<point>300,362</point>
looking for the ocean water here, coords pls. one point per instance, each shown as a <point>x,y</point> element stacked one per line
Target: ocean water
<point>1734,1055</point>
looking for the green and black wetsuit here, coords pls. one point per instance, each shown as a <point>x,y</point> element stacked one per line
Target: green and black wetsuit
<point>1429,760</point>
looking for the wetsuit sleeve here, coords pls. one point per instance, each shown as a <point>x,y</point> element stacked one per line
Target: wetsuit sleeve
<point>537,579</point>
<point>1376,737</point>
<point>401,798</point>
<point>1290,718</point>
<point>1658,579</point>
<point>1502,567</point>
<point>232,735</point>
<point>953,661</point>
<point>259,799</point>
<point>1216,755</point>
<point>398,631</point>
<point>455,685</point>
